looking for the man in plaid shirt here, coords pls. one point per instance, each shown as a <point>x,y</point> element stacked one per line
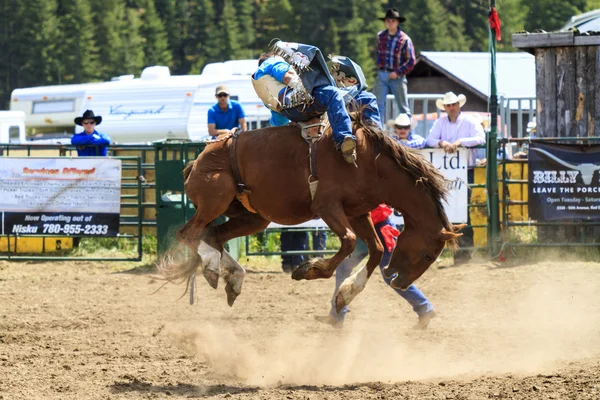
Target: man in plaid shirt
<point>395,59</point>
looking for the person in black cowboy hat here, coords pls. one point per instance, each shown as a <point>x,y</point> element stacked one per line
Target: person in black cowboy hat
<point>90,142</point>
<point>395,59</point>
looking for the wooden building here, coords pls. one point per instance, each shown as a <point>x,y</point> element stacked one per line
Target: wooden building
<point>567,82</point>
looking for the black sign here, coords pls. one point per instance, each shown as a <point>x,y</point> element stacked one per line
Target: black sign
<point>60,223</point>
<point>564,182</point>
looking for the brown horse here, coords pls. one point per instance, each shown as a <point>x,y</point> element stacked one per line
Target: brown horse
<point>273,163</point>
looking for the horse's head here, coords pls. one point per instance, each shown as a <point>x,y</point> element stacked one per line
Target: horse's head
<point>416,250</point>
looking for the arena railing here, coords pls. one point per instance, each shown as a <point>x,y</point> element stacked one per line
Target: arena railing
<point>518,230</point>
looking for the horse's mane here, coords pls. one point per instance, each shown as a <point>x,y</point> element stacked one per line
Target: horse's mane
<point>423,172</point>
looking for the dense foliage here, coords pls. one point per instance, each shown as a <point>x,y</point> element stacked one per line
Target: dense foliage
<point>45,42</point>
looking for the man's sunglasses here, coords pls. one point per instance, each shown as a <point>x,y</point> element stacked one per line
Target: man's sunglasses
<point>402,127</point>
<point>222,95</point>
<point>89,122</point>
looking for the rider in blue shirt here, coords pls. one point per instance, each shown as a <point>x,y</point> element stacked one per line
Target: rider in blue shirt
<point>90,142</point>
<point>300,95</point>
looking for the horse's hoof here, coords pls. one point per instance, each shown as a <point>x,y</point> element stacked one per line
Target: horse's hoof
<point>300,272</point>
<point>211,277</point>
<point>340,303</point>
<point>231,295</point>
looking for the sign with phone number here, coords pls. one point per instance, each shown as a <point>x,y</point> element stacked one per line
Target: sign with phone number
<point>60,196</point>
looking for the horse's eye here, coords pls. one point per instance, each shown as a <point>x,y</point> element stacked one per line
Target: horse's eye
<point>428,258</point>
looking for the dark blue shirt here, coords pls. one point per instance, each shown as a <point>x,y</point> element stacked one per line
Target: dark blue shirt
<point>227,119</point>
<point>91,145</point>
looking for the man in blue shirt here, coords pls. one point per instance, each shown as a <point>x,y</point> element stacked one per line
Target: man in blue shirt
<point>226,114</point>
<point>90,142</point>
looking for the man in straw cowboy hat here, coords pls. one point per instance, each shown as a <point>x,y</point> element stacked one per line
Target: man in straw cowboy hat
<point>395,59</point>
<point>403,126</point>
<point>90,142</point>
<point>450,131</point>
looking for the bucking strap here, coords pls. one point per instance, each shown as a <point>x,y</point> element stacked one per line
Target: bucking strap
<point>235,133</point>
<point>242,191</point>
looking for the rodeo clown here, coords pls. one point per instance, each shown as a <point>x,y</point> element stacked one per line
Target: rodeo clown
<point>294,83</point>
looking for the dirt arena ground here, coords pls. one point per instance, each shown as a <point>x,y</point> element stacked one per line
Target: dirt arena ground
<point>95,331</point>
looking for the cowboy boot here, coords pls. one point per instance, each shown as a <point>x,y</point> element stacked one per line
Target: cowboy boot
<point>348,149</point>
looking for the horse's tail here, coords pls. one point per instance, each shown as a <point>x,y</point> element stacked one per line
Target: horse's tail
<point>178,271</point>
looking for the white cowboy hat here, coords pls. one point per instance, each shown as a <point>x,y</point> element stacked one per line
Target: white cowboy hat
<point>451,98</point>
<point>403,120</point>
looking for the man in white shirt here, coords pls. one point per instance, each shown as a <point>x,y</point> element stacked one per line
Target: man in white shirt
<point>450,131</point>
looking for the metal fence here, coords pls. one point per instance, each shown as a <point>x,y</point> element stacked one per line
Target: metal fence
<point>518,230</point>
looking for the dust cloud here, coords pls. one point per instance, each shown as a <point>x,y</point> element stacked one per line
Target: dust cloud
<point>490,320</point>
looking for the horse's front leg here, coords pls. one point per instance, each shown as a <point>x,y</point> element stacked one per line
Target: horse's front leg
<point>316,268</point>
<point>353,285</point>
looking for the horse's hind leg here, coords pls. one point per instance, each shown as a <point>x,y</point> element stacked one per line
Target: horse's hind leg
<point>239,225</point>
<point>353,285</point>
<point>211,193</point>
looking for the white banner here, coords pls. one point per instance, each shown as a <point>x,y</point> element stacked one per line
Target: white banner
<point>454,169</point>
<point>75,196</point>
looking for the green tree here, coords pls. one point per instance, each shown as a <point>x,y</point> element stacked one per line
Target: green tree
<point>131,54</point>
<point>229,30</point>
<point>551,15</point>
<point>79,61</point>
<point>512,20</point>
<point>202,43</point>
<point>275,19</point>
<point>172,16</point>
<point>110,29</point>
<point>156,46</point>
<point>246,33</point>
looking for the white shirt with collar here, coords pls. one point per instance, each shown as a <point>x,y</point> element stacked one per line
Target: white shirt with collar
<point>468,130</point>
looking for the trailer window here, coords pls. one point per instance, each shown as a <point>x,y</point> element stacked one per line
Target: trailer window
<point>14,134</point>
<point>57,106</point>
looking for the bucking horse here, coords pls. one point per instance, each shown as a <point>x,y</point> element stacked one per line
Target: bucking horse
<point>262,176</point>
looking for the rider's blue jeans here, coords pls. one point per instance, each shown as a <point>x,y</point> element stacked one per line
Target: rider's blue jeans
<point>332,99</point>
<point>414,296</point>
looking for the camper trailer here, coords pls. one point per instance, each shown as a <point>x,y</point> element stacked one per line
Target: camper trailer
<point>153,107</point>
<point>12,127</point>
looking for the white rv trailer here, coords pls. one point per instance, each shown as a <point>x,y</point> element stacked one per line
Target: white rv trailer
<point>12,127</point>
<point>153,107</point>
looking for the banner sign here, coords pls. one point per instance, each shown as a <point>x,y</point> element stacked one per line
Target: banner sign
<point>452,166</point>
<point>60,196</point>
<point>564,182</point>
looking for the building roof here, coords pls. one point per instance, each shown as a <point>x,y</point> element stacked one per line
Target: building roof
<point>515,72</point>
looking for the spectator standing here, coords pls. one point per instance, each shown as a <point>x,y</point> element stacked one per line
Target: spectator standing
<point>90,142</point>
<point>403,126</point>
<point>395,59</point>
<point>226,114</point>
<point>450,131</point>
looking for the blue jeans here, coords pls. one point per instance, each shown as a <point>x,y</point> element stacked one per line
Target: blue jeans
<point>414,296</point>
<point>293,240</point>
<point>333,100</point>
<point>371,111</point>
<point>398,87</point>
